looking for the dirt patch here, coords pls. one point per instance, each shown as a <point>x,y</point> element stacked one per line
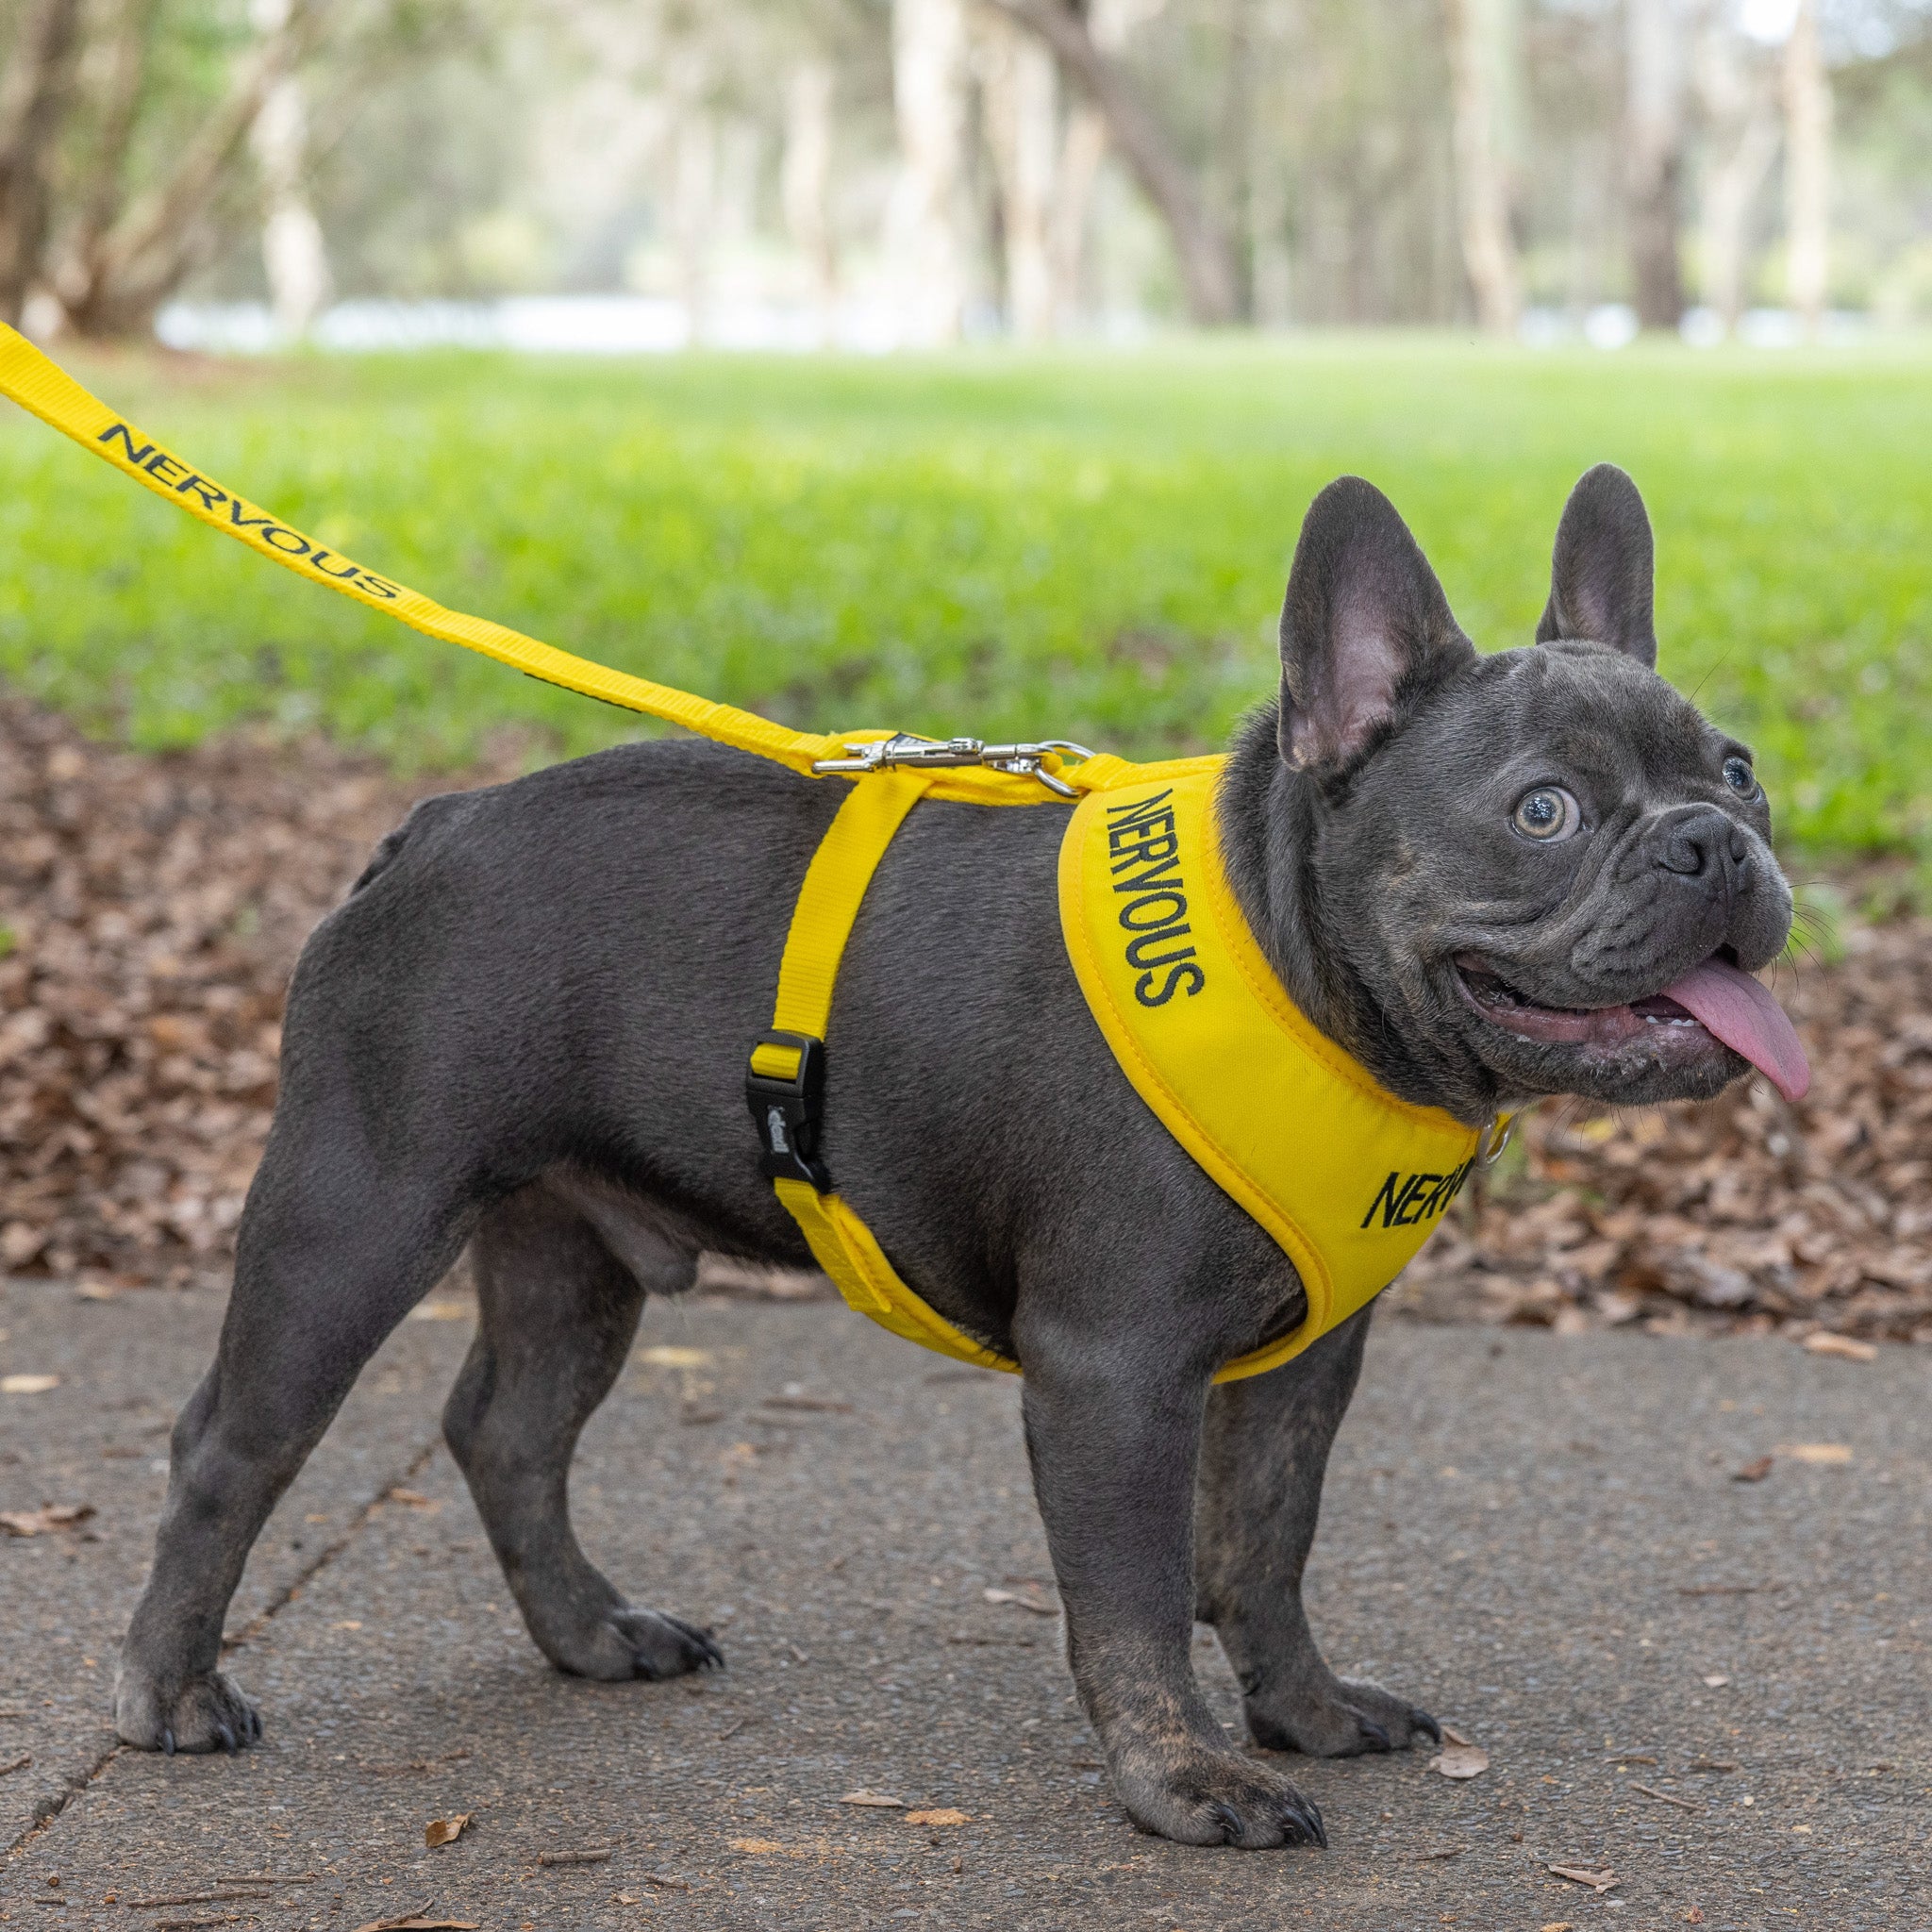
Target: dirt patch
<point>153,907</point>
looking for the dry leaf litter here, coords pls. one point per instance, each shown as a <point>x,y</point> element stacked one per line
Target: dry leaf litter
<point>152,907</point>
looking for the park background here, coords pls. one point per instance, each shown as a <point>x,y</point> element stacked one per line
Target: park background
<point>958,367</point>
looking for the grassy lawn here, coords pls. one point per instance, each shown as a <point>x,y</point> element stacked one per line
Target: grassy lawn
<point>1092,549</point>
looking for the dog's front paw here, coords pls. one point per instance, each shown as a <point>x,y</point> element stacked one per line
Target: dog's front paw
<point>1340,1717</point>
<point>630,1642</point>
<point>208,1713</point>
<point>1208,1797</point>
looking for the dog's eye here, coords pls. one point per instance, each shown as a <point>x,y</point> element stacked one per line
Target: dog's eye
<point>1741,777</point>
<point>1547,814</point>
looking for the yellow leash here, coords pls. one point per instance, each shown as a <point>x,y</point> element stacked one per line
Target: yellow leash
<point>43,388</point>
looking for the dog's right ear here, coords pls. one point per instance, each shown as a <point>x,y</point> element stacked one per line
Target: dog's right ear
<point>1365,624</point>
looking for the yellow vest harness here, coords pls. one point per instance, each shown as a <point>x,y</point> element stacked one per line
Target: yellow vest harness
<point>1347,1180</point>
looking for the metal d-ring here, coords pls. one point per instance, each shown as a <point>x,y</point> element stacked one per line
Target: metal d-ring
<point>1494,1138</point>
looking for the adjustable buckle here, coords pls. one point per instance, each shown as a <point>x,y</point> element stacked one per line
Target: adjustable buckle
<point>788,1106</point>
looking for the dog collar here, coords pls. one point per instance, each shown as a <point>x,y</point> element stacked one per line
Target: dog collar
<point>1348,1179</point>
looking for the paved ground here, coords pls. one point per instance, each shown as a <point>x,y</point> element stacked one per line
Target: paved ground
<point>1537,1537</point>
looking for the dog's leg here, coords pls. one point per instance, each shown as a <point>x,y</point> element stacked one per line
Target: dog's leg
<point>1114,1446</point>
<point>332,1254</point>
<point>559,1314</point>
<point>1263,1455</point>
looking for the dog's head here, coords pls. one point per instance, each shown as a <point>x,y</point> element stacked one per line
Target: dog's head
<point>1540,872</point>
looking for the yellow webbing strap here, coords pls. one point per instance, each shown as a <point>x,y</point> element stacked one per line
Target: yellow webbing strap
<point>821,923</point>
<point>43,388</point>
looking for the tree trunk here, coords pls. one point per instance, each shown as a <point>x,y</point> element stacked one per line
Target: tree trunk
<point>929,103</point>
<point>99,195</point>
<point>1743,134</point>
<point>154,245</point>
<point>293,255</point>
<point>1808,170</point>
<point>1201,246</point>
<point>804,178</point>
<point>1654,145</point>
<point>1082,148</point>
<point>35,93</point>
<point>1481,43</point>
<point>1023,131</point>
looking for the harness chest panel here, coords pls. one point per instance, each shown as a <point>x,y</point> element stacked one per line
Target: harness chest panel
<point>1347,1180</point>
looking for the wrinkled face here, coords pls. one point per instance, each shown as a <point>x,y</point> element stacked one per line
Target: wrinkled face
<point>1549,878</point>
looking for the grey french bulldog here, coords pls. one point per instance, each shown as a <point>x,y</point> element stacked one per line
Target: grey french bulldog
<point>1488,878</point>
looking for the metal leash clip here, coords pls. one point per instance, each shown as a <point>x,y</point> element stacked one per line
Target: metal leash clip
<point>904,748</point>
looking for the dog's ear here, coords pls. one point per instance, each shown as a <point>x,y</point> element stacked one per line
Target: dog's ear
<point>1603,571</point>
<point>1364,625</point>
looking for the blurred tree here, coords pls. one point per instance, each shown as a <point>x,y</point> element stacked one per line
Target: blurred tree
<point>36,88</point>
<point>1482,62</point>
<point>1808,168</point>
<point>1736,92</point>
<point>1654,139</point>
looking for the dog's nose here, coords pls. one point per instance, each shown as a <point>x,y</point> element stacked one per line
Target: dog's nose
<point>1700,841</point>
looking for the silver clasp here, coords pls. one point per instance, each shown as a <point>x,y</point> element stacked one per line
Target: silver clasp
<point>930,754</point>
<point>1493,1140</point>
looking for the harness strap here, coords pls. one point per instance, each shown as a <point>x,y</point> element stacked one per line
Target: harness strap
<point>785,1080</point>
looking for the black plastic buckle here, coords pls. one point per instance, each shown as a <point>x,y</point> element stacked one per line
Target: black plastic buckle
<point>789,1114</point>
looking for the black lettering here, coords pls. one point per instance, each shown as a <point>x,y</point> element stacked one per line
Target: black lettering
<point>1173,899</point>
<point>161,462</point>
<point>1137,954</point>
<point>241,523</point>
<point>1143,841</point>
<point>295,546</point>
<point>1428,1187</point>
<point>1174,975</point>
<point>318,562</point>
<point>1167,873</point>
<point>126,436</point>
<point>1453,1185</point>
<point>1141,811</point>
<point>201,487</point>
<point>1385,1200</point>
<point>1405,1214</point>
<point>380,586</point>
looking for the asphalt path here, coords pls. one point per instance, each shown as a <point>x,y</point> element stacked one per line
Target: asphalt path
<point>1717,1693</point>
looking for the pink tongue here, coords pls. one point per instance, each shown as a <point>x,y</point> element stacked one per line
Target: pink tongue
<point>1743,1015</point>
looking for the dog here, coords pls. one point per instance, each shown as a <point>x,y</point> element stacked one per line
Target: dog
<point>524,1032</point>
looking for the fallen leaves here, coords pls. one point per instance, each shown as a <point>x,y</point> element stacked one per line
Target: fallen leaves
<point>1753,1471</point>
<point>1021,1600</point>
<point>419,1921</point>
<point>158,904</point>
<point>1820,1455</point>
<point>876,1801</point>
<point>1583,1874</point>
<point>1715,1681</point>
<point>445,1831</point>
<point>1664,1797</point>
<point>1460,1760</point>
<point>940,1814</point>
<point>27,1385</point>
<point>45,1520</point>
<point>19,1763</point>
<point>1824,1342</point>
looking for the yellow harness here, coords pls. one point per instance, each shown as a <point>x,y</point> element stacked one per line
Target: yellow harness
<point>1347,1180</point>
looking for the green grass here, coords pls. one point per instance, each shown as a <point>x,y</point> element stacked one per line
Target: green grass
<point>1087,547</point>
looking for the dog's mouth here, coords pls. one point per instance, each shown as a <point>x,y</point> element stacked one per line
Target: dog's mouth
<point>1717,1002</point>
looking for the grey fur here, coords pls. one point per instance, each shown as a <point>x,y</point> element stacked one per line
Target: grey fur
<point>526,1030</point>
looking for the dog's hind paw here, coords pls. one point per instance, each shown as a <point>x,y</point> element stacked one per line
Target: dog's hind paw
<point>207,1714</point>
<point>1217,1798</point>
<point>624,1643</point>
<point>1343,1718</point>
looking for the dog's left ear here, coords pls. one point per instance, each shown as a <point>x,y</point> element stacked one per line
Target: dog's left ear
<point>1364,625</point>
<point>1603,571</point>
